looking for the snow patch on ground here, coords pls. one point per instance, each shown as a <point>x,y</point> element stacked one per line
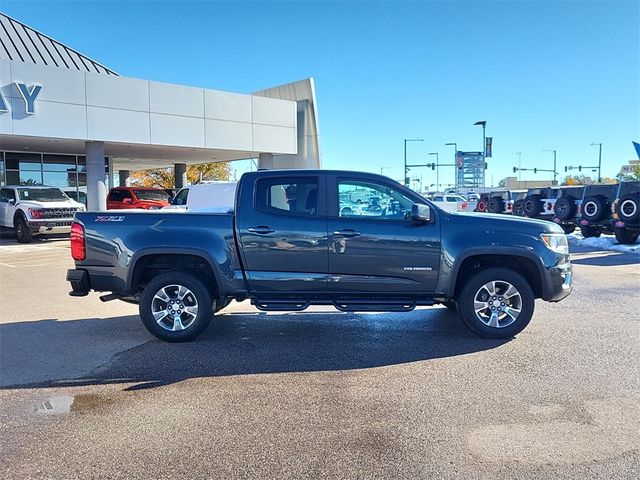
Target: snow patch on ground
<point>604,242</point>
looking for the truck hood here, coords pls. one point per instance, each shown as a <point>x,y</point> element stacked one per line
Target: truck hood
<point>60,204</point>
<point>484,220</point>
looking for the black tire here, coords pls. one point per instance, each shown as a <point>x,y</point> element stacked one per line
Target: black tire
<point>507,326</point>
<point>595,209</point>
<point>517,208</point>
<point>625,236</point>
<point>23,232</point>
<point>450,305</point>
<point>565,208</point>
<point>589,231</point>
<point>496,205</point>
<point>198,296</point>
<point>629,208</point>
<point>568,228</point>
<point>532,205</point>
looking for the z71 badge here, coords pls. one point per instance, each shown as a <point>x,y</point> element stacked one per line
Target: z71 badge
<point>109,218</point>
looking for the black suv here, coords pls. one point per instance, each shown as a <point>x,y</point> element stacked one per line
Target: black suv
<point>565,209</point>
<point>626,212</point>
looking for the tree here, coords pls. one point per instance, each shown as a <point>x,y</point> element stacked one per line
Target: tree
<point>503,183</point>
<point>165,177</point>
<point>577,180</point>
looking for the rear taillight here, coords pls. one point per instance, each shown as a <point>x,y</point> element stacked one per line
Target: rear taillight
<point>78,251</point>
<point>549,205</point>
<point>614,206</point>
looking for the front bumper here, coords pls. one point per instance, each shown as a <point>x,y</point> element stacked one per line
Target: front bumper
<point>559,282</point>
<point>44,227</point>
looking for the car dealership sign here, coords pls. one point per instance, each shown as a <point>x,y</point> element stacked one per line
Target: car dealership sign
<point>28,94</point>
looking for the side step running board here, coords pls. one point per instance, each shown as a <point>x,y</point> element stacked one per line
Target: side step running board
<point>368,306</point>
<point>280,305</point>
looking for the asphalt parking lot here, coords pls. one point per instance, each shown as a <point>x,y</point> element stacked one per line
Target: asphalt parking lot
<point>86,392</point>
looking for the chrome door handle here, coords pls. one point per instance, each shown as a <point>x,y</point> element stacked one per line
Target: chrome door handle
<point>348,233</point>
<point>261,230</point>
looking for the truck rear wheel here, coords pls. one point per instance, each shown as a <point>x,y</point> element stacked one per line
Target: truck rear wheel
<point>176,307</point>
<point>496,303</point>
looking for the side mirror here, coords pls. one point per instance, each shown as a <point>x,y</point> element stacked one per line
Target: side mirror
<point>127,201</point>
<point>420,213</point>
<point>12,201</point>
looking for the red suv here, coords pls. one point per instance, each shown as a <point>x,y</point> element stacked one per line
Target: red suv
<point>137,197</point>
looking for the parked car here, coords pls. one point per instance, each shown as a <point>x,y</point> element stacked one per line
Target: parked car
<point>502,201</point>
<point>539,203</point>
<point>137,197</point>
<point>36,210</point>
<point>209,196</point>
<point>286,246</point>
<point>566,209</point>
<point>626,212</point>
<point>595,210</point>
<point>447,202</point>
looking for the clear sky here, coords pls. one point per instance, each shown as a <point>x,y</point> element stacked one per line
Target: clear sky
<point>543,74</point>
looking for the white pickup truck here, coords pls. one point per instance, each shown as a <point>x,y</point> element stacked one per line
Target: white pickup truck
<point>448,202</point>
<point>36,210</point>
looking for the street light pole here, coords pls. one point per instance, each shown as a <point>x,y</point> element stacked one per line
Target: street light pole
<point>455,162</point>
<point>555,171</point>
<point>405,156</point>
<point>484,147</point>
<point>599,160</point>
<point>437,170</point>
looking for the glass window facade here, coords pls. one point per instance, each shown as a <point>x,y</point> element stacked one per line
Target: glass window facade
<point>67,172</point>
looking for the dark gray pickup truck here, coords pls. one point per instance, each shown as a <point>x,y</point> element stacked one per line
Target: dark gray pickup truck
<point>357,241</point>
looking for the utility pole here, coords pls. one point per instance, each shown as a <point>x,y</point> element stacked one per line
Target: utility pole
<point>406,180</point>
<point>599,160</point>
<point>554,165</point>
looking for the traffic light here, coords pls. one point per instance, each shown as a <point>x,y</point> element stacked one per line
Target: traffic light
<point>515,169</point>
<point>486,165</point>
<point>565,168</point>
<point>580,168</point>
<point>535,170</point>
<point>433,166</point>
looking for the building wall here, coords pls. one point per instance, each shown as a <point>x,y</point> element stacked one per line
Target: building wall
<point>512,183</point>
<point>90,106</point>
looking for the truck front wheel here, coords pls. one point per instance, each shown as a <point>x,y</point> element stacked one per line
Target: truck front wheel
<point>496,303</point>
<point>176,307</point>
<point>23,232</point>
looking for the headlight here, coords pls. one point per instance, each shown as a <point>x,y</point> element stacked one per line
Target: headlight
<point>556,242</point>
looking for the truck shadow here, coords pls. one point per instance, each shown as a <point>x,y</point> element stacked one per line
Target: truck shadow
<point>253,343</point>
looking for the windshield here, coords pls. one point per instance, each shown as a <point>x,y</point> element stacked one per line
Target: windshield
<point>154,195</point>
<point>42,194</point>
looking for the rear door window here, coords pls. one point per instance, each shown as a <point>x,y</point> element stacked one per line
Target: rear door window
<point>296,196</point>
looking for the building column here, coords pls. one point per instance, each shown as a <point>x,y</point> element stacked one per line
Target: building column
<point>96,187</point>
<point>180,172</point>
<point>265,161</point>
<point>124,177</point>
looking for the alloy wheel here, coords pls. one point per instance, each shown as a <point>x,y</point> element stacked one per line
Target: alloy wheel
<point>174,307</point>
<point>497,304</point>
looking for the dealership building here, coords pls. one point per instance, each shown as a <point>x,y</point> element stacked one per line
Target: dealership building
<point>71,122</point>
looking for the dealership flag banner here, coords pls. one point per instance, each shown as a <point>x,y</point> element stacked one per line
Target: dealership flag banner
<point>488,145</point>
